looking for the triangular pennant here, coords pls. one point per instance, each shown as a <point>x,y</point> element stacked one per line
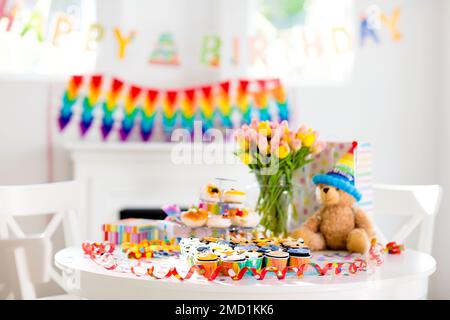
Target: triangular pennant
<point>190,94</point>
<point>225,86</point>
<point>152,94</point>
<point>171,97</point>
<point>206,91</point>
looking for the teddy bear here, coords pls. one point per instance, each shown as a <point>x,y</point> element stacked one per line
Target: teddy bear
<point>338,225</point>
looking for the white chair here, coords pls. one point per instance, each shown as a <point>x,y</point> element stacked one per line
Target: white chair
<point>25,262</point>
<point>62,201</point>
<point>420,203</point>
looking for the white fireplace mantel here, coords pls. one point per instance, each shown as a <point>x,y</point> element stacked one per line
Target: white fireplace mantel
<point>138,175</point>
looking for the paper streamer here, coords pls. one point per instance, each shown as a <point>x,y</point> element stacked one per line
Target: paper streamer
<point>70,97</point>
<point>243,101</point>
<point>110,105</point>
<point>148,114</point>
<point>130,112</point>
<point>262,101</point>
<point>129,105</point>
<point>188,110</point>
<point>224,103</point>
<point>170,113</point>
<point>281,100</point>
<point>89,103</point>
<point>101,254</point>
<point>207,109</point>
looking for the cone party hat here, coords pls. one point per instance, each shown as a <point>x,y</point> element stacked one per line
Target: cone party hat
<point>342,176</point>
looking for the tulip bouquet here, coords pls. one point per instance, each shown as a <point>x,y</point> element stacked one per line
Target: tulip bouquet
<point>273,152</point>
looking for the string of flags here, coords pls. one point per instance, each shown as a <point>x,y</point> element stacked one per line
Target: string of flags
<point>126,107</point>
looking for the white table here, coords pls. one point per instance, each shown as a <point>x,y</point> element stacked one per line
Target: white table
<point>402,276</point>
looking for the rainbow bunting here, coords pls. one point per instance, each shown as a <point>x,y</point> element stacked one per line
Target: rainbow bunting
<point>69,99</point>
<point>188,110</point>
<point>243,101</point>
<point>281,100</point>
<point>130,112</point>
<point>262,101</point>
<point>148,114</point>
<point>224,104</point>
<point>170,112</point>
<point>207,108</point>
<point>213,104</point>
<point>89,103</point>
<point>109,106</point>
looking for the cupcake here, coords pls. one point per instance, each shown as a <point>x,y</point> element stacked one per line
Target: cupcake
<point>254,260</point>
<point>240,241</point>
<point>292,243</point>
<point>250,247</point>
<point>264,249</point>
<point>299,256</point>
<point>208,240</point>
<point>245,217</point>
<point>223,252</point>
<point>194,217</point>
<point>209,261</point>
<point>218,221</point>
<point>234,262</point>
<point>234,196</point>
<point>211,193</point>
<point>278,259</point>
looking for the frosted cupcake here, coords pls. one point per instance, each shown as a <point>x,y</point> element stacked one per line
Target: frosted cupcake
<point>218,221</point>
<point>299,256</point>
<point>254,260</point>
<point>194,217</point>
<point>233,262</point>
<point>210,193</point>
<point>292,243</point>
<point>278,259</point>
<point>245,217</point>
<point>234,196</point>
<point>209,261</point>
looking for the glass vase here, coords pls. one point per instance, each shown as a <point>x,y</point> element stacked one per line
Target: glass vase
<point>278,205</point>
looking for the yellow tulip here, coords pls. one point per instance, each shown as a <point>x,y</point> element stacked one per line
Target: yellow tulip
<point>246,158</point>
<point>264,128</point>
<point>308,140</point>
<point>243,144</point>
<point>282,151</point>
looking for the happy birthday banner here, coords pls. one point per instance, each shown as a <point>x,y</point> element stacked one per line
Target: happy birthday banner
<point>227,104</point>
<point>33,23</point>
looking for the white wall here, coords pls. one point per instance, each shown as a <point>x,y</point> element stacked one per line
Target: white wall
<point>441,280</point>
<point>393,101</point>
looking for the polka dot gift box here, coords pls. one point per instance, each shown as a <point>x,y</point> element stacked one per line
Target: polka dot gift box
<point>307,204</point>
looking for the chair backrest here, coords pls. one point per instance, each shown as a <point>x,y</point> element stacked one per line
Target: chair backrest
<point>62,200</point>
<point>419,203</point>
<point>53,198</point>
<point>24,262</point>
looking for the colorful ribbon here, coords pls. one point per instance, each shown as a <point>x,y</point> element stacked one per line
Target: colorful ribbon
<point>148,249</point>
<point>101,253</point>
